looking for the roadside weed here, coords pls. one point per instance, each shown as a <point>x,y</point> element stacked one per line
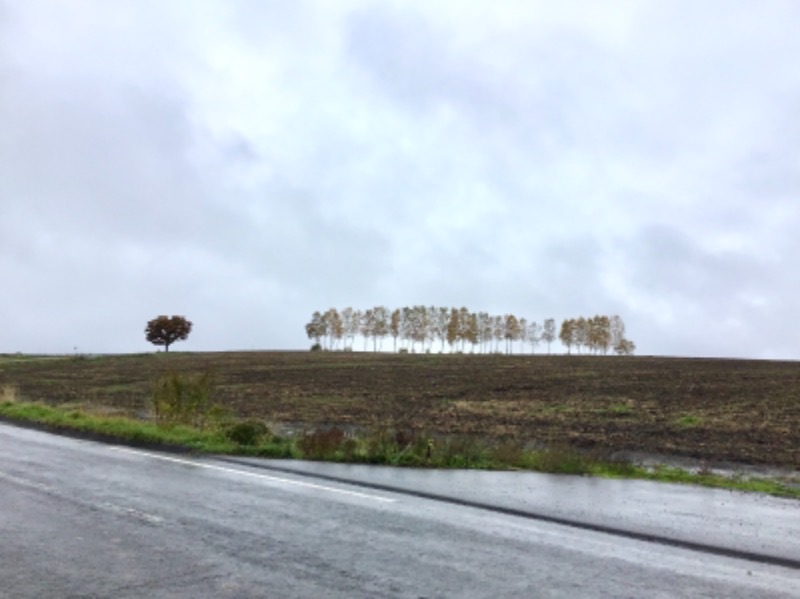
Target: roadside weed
<point>403,448</point>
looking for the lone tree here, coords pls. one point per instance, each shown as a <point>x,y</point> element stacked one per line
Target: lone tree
<point>166,330</point>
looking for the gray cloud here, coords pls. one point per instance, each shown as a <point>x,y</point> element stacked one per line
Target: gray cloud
<point>248,163</point>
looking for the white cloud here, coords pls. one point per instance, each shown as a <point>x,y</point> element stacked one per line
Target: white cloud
<point>249,162</point>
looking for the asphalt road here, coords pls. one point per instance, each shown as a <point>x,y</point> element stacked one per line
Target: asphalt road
<point>80,519</point>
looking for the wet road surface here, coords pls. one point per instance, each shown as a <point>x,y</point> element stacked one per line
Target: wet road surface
<point>757,527</point>
<point>84,519</point>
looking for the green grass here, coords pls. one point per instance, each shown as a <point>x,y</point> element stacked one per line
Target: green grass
<point>134,431</point>
<point>620,409</point>
<point>689,421</point>
<point>27,358</point>
<point>380,447</point>
<point>708,479</point>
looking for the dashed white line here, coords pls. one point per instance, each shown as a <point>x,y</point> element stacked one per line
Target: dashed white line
<point>25,482</point>
<point>130,512</point>
<point>258,475</point>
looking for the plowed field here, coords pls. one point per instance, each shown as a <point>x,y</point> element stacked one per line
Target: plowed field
<point>716,410</point>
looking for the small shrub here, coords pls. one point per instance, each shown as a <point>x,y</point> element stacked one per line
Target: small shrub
<point>8,394</point>
<point>316,347</point>
<point>380,447</point>
<point>509,454</point>
<point>349,449</point>
<point>248,433</point>
<point>181,399</point>
<point>404,437</point>
<point>321,444</point>
<point>463,452</point>
<point>407,447</point>
<point>561,460</point>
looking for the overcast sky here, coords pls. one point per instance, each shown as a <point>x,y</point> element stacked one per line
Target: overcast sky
<point>244,163</point>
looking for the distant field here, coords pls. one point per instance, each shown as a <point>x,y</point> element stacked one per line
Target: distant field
<point>737,410</point>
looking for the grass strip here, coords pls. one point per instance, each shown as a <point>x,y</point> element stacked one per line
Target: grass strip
<point>379,448</point>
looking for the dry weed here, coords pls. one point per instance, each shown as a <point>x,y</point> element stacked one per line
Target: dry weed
<point>9,394</point>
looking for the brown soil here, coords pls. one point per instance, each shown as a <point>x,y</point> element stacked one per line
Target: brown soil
<point>716,410</point>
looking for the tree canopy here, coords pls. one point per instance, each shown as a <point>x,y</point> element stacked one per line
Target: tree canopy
<point>166,330</point>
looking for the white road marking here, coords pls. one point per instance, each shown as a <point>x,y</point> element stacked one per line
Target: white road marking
<point>108,507</point>
<point>25,482</point>
<point>131,512</point>
<point>255,475</point>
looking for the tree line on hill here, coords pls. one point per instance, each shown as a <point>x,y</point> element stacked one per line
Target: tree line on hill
<point>421,327</point>
<point>598,335</point>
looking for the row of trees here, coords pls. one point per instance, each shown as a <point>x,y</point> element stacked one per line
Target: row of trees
<point>422,327</point>
<point>597,334</point>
